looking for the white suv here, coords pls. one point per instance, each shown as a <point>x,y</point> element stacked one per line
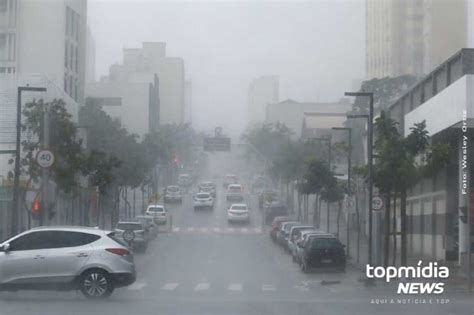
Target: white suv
<point>158,212</point>
<point>66,258</point>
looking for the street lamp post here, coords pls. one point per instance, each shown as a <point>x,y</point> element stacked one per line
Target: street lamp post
<point>349,171</point>
<point>370,119</point>
<point>16,178</point>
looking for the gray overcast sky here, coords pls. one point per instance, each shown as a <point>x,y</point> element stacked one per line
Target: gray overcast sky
<point>316,47</point>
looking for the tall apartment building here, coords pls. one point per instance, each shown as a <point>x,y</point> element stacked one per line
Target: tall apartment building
<point>140,65</point>
<point>262,91</point>
<point>412,37</point>
<point>47,38</point>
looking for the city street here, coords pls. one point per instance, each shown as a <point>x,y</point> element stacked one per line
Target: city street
<point>207,266</point>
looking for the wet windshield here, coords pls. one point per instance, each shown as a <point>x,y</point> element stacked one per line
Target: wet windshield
<point>216,127</point>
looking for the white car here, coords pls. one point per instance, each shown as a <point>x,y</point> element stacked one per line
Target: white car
<point>158,212</point>
<point>66,258</point>
<point>203,200</point>
<point>238,212</point>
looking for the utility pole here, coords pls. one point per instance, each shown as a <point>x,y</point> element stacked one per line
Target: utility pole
<point>16,178</point>
<point>370,119</point>
<point>45,170</point>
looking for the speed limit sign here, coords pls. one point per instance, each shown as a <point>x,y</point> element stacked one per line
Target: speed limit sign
<point>45,158</point>
<point>377,203</point>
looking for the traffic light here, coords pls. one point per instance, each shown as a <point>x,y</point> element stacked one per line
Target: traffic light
<point>36,209</point>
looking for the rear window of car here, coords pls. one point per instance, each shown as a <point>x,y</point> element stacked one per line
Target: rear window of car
<point>129,226</point>
<point>326,242</point>
<point>235,188</point>
<point>239,208</point>
<point>207,185</point>
<point>203,196</point>
<point>173,189</point>
<point>113,237</point>
<point>155,209</point>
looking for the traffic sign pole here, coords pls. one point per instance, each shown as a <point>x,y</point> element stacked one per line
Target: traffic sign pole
<point>45,170</point>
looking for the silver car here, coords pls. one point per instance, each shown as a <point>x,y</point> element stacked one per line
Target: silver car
<point>66,258</point>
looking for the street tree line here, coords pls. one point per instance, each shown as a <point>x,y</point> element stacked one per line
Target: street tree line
<point>111,158</point>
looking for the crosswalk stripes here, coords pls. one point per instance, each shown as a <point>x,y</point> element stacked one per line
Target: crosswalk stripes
<point>268,287</point>
<point>202,286</point>
<point>170,286</point>
<point>137,286</point>
<point>216,230</point>
<point>235,287</point>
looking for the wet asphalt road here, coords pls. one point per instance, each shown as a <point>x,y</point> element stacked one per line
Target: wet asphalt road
<point>206,266</point>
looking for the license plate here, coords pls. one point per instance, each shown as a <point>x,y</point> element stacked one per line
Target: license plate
<point>326,261</point>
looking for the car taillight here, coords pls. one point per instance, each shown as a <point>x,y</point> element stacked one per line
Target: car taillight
<point>118,251</point>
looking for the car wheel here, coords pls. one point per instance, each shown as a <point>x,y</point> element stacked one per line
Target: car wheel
<point>96,284</point>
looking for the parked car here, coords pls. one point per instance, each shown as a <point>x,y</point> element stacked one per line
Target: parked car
<point>66,258</point>
<point>295,232</point>
<point>276,224</point>
<point>301,240</point>
<point>275,209</point>
<point>158,212</point>
<point>230,179</point>
<point>149,222</point>
<point>203,200</point>
<point>238,212</point>
<point>235,192</point>
<point>173,194</point>
<point>208,187</point>
<point>322,252</point>
<point>282,234</point>
<point>139,235</point>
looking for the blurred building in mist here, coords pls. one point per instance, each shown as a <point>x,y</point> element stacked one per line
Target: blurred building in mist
<point>188,105</point>
<point>90,57</point>
<point>262,91</point>
<point>291,113</point>
<point>47,38</point>
<point>147,89</point>
<point>412,37</point>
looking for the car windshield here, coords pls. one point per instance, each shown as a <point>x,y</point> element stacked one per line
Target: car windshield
<point>214,117</point>
<point>156,209</point>
<point>129,226</point>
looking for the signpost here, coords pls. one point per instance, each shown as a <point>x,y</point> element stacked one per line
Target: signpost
<point>377,203</point>
<point>45,158</point>
<point>216,144</point>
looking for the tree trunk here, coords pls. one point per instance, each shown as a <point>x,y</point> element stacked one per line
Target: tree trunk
<point>339,206</point>
<point>300,196</point>
<point>386,252</point>
<point>403,228</point>
<point>328,219</point>
<point>319,211</point>
<point>358,226</point>
<point>394,228</point>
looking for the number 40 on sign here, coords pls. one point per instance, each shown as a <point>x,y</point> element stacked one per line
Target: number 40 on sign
<point>45,158</point>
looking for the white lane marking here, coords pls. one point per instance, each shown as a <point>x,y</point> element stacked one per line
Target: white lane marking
<point>258,230</point>
<point>244,230</point>
<point>202,286</point>
<point>190,229</point>
<point>170,286</point>
<point>217,230</point>
<point>235,287</point>
<point>268,287</point>
<point>137,286</point>
<point>230,230</point>
<point>203,230</point>
<point>176,229</point>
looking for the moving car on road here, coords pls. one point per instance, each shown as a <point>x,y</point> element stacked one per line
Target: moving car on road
<point>238,212</point>
<point>208,187</point>
<point>235,192</point>
<point>184,180</point>
<point>173,194</point>
<point>230,179</point>
<point>320,252</point>
<point>139,236</point>
<point>66,258</point>
<point>158,212</point>
<point>203,200</point>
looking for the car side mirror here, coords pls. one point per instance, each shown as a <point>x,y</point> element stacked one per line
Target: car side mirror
<point>5,248</point>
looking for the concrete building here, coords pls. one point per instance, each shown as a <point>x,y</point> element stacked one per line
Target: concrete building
<point>412,37</point>
<point>90,57</point>
<point>188,102</point>
<point>48,38</point>
<point>141,65</point>
<point>291,113</point>
<point>262,91</point>
<point>437,206</point>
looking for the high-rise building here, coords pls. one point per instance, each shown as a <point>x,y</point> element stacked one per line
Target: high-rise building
<point>47,38</point>
<point>262,91</point>
<point>188,102</point>
<point>411,37</point>
<point>90,57</point>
